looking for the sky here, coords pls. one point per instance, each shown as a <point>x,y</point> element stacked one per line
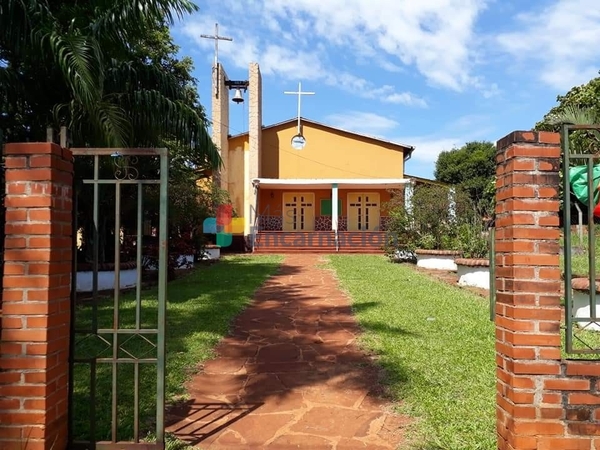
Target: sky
<point>433,74</point>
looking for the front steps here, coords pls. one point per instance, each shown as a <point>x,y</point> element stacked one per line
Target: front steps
<point>319,242</point>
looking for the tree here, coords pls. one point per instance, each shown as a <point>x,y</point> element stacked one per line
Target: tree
<point>580,105</point>
<point>473,169</point>
<point>432,220</point>
<point>109,71</point>
<point>93,67</point>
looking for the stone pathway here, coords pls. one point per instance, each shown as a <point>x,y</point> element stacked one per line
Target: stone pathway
<point>289,375</point>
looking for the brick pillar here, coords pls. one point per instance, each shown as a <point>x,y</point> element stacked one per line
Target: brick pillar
<point>220,125</point>
<point>527,287</point>
<point>252,158</point>
<point>35,320</point>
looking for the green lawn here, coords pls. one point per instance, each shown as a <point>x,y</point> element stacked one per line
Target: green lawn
<point>200,308</point>
<point>583,339</point>
<point>580,253</point>
<point>436,343</point>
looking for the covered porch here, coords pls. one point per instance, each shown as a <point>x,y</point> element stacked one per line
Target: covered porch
<point>302,211</point>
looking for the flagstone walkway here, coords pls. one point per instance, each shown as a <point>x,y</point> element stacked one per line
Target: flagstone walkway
<point>289,375</point>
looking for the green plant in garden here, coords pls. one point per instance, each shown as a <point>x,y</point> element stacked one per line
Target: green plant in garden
<point>473,229</point>
<point>430,221</point>
<point>473,239</point>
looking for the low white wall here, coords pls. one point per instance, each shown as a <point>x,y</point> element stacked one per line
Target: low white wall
<point>212,253</point>
<point>437,262</point>
<point>581,306</point>
<point>473,276</point>
<point>106,280</point>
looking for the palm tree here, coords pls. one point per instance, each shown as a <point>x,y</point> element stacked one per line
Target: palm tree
<point>78,64</point>
<point>582,141</point>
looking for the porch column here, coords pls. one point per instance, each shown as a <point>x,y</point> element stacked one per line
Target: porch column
<point>255,227</point>
<point>408,192</point>
<point>334,209</point>
<point>452,203</point>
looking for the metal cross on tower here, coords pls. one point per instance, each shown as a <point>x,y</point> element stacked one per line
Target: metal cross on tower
<point>216,38</point>
<point>299,93</point>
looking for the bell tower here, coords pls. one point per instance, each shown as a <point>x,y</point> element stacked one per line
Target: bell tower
<point>220,121</point>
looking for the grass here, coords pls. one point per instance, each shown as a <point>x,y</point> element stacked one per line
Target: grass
<point>200,308</point>
<point>580,248</point>
<point>579,253</point>
<point>436,343</point>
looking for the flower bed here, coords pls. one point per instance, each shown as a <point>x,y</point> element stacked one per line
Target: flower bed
<point>581,303</point>
<point>437,259</point>
<point>473,272</point>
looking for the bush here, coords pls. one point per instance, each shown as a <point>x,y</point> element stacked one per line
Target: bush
<point>430,222</point>
<point>473,238</point>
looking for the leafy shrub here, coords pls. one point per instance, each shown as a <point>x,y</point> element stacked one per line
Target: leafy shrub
<point>437,218</point>
<point>473,238</point>
<point>429,221</point>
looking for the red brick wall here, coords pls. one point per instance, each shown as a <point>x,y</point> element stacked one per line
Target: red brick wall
<point>34,345</point>
<point>543,401</point>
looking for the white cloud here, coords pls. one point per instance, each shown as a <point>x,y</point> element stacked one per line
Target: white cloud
<point>427,149</point>
<point>435,36</point>
<point>294,63</point>
<point>405,98</point>
<point>364,88</point>
<point>300,64</point>
<point>298,40</point>
<point>362,122</point>
<point>454,134</point>
<point>561,42</point>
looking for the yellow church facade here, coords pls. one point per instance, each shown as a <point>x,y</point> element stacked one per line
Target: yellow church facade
<point>285,191</point>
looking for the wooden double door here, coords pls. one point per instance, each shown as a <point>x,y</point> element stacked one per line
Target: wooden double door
<point>363,211</point>
<point>298,211</point>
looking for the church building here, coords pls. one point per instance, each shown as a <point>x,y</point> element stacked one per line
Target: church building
<point>300,185</point>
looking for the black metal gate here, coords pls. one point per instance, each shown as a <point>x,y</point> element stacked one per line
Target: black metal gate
<point>117,363</point>
<point>2,214</point>
<point>581,189</point>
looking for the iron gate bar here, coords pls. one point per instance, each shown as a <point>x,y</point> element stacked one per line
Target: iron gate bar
<point>162,290</point>
<point>90,151</point>
<point>492,236</point>
<point>117,291</point>
<point>72,308</point>
<point>138,257</point>
<point>96,250</point>
<point>568,264</point>
<point>116,332</point>
<point>121,181</point>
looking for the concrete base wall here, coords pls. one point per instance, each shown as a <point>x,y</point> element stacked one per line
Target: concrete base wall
<point>473,276</point>
<point>106,280</point>
<point>436,262</point>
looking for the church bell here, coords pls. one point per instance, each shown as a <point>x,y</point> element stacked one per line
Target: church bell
<point>237,97</point>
